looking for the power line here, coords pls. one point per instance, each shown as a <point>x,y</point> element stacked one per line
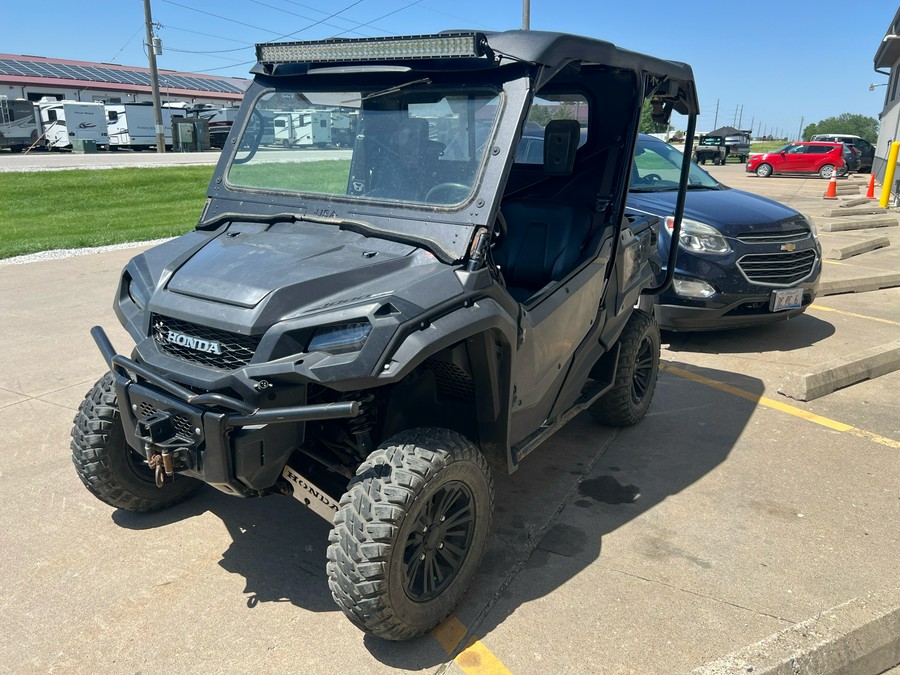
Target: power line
<point>315,22</point>
<point>139,29</point>
<point>369,23</point>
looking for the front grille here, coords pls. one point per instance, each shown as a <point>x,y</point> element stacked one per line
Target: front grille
<point>777,269</point>
<point>183,427</point>
<point>235,350</point>
<point>773,237</point>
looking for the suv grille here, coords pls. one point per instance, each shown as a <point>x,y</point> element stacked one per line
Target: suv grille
<point>775,269</point>
<point>234,350</point>
<point>773,237</point>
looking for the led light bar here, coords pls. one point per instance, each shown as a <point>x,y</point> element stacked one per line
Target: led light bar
<point>410,47</point>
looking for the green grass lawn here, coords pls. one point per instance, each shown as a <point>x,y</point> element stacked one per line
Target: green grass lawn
<point>328,176</point>
<point>72,209</point>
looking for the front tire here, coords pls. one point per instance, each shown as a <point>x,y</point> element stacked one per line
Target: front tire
<point>410,532</point>
<point>106,464</point>
<point>632,392</point>
<point>764,170</point>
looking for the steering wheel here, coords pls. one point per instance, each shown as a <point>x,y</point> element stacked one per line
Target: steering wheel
<point>651,178</point>
<point>447,193</point>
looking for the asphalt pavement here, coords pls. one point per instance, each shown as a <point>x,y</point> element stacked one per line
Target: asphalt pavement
<point>733,530</point>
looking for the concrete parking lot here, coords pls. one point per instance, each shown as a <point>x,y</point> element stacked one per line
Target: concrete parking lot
<point>733,530</point>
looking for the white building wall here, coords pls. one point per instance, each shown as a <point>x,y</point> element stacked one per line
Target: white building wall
<point>106,95</point>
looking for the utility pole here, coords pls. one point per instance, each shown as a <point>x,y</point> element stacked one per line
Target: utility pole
<point>800,133</point>
<point>526,14</point>
<point>716,120</point>
<point>741,116</point>
<point>154,81</point>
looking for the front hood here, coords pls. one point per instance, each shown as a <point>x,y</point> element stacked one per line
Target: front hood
<point>730,211</point>
<point>250,262</point>
<point>251,276</point>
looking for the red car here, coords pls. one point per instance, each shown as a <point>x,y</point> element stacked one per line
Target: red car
<point>800,157</point>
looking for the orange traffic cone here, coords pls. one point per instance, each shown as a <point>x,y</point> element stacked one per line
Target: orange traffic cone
<point>831,192</point>
<point>870,193</point>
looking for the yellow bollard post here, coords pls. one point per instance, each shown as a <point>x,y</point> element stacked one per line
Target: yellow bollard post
<point>889,175</point>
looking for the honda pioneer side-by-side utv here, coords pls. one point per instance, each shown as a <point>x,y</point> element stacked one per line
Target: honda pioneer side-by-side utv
<point>374,326</point>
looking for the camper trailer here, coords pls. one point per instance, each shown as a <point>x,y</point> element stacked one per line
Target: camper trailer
<point>19,126</point>
<point>220,121</point>
<point>64,122</point>
<point>133,125</point>
<point>302,128</point>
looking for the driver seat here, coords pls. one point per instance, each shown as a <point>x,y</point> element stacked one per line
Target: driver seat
<point>543,243</point>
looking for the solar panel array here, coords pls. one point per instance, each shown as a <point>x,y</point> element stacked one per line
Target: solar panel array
<point>102,75</point>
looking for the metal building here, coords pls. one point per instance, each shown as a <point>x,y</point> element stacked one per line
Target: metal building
<point>38,77</point>
<point>887,62</point>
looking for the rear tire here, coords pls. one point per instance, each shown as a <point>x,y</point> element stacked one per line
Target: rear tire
<point>410,533</point>
<point>632,392</point>
<point>826,171</point>
<point>764,170</point>
<point>106,464</point>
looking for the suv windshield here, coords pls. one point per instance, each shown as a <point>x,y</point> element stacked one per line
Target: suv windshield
<point>410,143</point>
<point>657,168</point>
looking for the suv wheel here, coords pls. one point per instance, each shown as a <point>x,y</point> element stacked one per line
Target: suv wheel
<point>764,170</point>
<point>629,399</point>
<point>826,171</point>
<point>410,532</point>
<point>106,464</point>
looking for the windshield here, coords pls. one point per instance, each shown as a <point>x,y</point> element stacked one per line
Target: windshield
<point>657,168</point>
<point>410,143</point>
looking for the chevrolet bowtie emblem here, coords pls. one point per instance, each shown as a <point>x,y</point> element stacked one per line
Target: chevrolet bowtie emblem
<point>789,247</point>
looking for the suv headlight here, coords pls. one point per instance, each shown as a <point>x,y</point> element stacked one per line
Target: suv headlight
<point>812,224</point>
<point>699,237</point>
<point>340,339</point>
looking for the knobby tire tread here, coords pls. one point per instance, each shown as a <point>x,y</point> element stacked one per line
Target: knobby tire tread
<point>371,513</point>
<point>96,434</point>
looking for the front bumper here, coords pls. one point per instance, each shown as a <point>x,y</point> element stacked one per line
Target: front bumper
<point>728,311</point>
<point>215,438</point>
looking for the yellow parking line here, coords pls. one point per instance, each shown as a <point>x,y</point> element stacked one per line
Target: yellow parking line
<point>832,262</point>
<point>475,659</point>
<point>858,316</point>
<point>783,407</point>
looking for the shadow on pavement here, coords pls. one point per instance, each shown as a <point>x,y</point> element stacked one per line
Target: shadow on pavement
<point>582,484</point>
<point>783,336</point>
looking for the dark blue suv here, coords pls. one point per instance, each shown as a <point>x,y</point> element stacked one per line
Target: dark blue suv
<point>744,260</point>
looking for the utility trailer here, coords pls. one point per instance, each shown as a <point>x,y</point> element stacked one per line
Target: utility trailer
<point>64,122</point>
<point>19,126</point>
<point>719,145</point>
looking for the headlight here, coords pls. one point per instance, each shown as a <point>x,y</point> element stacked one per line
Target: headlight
<point>699,237</point>
<point>136,292</point>
<point>812,225</point>
<point>693,288</point>
<point>340,339</point>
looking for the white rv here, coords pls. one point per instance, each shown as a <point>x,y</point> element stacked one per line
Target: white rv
<point>220,122</point>
<point>67,121</point>
<point>302,128</point>
<point>133,125</point>
<point>19,126</point>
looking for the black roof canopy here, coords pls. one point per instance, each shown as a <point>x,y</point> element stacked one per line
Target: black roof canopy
<point>553,51</point>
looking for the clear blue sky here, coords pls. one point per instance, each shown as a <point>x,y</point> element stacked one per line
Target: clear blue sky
<point>781,60</point>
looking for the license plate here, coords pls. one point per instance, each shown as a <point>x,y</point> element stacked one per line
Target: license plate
<point>787,298</point>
